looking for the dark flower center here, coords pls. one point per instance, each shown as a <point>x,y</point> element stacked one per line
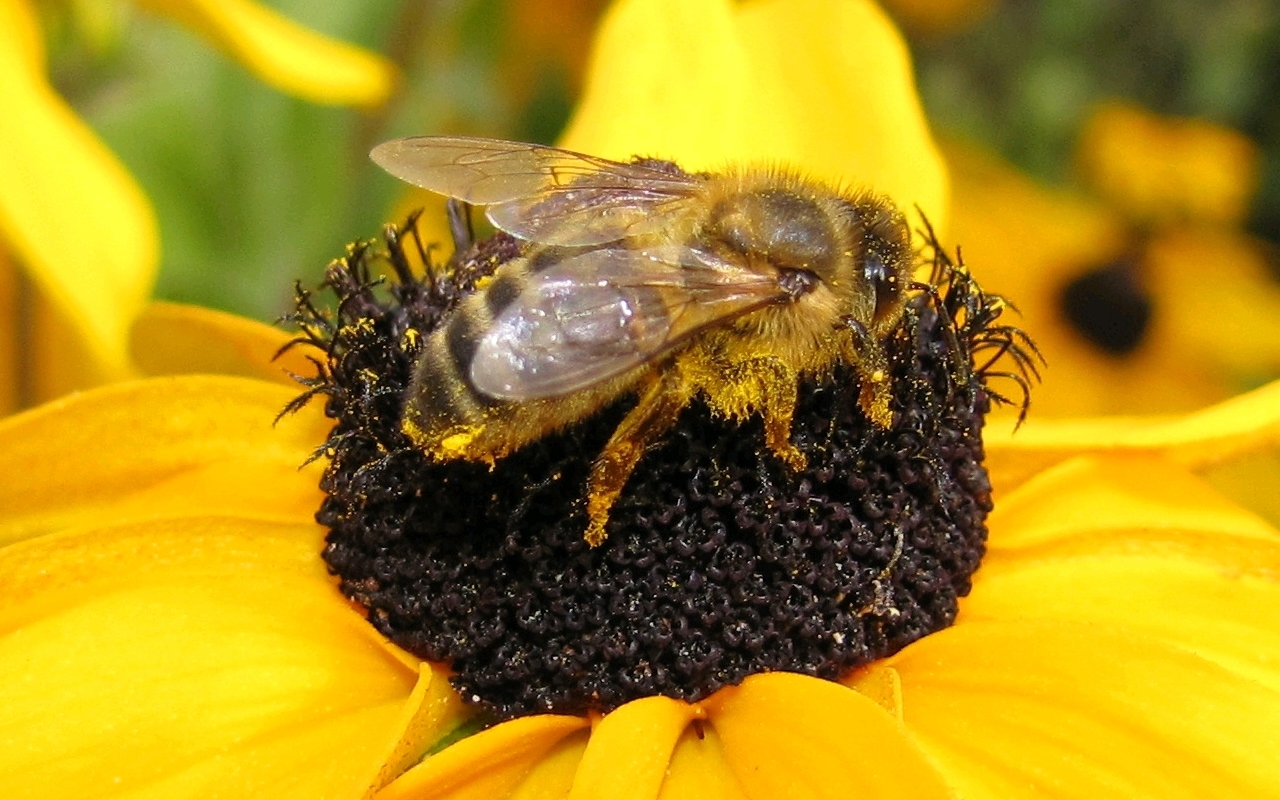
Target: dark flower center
<point>720,563</point>
<point>1109,307</point>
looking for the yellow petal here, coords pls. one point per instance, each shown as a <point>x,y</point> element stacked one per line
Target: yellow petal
<point>284,54</point>
<point>188,658</point>
<point>1163,170</point>
<point>788,735</point>
<point>176,339</point>
<point>629,750</point>
<point>431,711</point>
<point>158,447</point>
<point>96,268</point>
<point>699,769</point>
<point>1056,709</point>
<point>880,683</point>
<point>1230,323</point>
<point>823,85</point>
<point>490,764</point>
<point>849,89</point>
<point>1139,496</point>
<point>24,34</point>
<point>1248,422</point>
<point>1169,595</point>
<point>10,336</point>
<point>551,778</point>
<point>1138,543</point>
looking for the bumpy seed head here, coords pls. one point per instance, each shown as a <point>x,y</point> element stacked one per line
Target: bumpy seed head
<point>722,562</point>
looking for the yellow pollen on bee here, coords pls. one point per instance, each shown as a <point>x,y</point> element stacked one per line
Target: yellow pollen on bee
<point>410,339</point>
<point>455,445</point>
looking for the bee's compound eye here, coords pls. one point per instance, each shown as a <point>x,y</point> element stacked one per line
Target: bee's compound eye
<point>884,281</point>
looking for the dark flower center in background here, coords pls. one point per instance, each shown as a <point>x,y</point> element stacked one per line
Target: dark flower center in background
<point>1109,307</point>
<point>720,563</point>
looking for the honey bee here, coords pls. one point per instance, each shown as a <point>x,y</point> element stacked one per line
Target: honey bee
<point>640,278</point>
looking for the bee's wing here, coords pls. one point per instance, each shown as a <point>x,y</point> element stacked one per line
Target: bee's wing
<point>598,314</point>
<point>539,193</point>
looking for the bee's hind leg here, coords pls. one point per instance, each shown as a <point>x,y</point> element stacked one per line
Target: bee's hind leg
<point>460,229</point>
<point>657,411</point>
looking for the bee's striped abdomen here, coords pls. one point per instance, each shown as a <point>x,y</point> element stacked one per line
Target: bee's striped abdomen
<point>443,401</point>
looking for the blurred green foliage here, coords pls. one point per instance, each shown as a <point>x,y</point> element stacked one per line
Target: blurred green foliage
<point>1024,77</point>
<point>255,189</point>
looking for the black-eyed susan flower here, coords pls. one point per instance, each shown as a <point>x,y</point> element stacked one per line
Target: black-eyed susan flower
<point>170,630</point>
<point>74,222</point>
<point>169,625</point>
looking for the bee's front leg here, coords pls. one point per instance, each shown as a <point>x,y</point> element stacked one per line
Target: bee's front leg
<point>657,411</point>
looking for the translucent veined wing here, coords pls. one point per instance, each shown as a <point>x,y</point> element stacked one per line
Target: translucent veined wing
<point>601,313</point>
<point>542,194</point>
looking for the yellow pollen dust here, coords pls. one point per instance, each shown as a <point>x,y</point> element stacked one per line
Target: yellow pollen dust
<point>455,445</point>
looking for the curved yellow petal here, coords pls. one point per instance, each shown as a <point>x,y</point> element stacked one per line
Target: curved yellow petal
<point>849,87</point>
<point>18,23</point>
<point>822,85</point>
<point>11,365</point>
<point>69,210</point>
<point>1247,422</point>
<point>178,339</point>
<point>1106,495</point>
<point>788,735</point>
<point>1138,543</point>
<point>630,749</point>
<point>1032,709</point>
<point>699,769</point>
<point>491,764</point>
<point>188,658</point>
<point>282,53</point>
<point>432,710</point>
<point>552,777</point>
<point>1232,619</point>
<point>190,444</point>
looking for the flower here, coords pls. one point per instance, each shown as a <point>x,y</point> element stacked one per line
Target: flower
<point>162,579</point>
<point>93,270</point>
<point>161,587</point>
<point>1152,302</point>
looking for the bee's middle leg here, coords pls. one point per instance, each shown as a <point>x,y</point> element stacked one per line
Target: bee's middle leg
<point>767,386</point>
<point>657,411</point>
<point>778,385</point>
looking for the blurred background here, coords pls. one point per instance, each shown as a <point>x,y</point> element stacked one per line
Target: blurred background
<point>1115,164</point>
<point>254,188</point>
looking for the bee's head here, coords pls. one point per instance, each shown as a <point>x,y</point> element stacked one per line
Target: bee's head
<point>879,267</point>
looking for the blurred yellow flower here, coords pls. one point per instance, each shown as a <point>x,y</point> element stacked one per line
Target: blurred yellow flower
<point>75,223</point>
<point>1153,302</point>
